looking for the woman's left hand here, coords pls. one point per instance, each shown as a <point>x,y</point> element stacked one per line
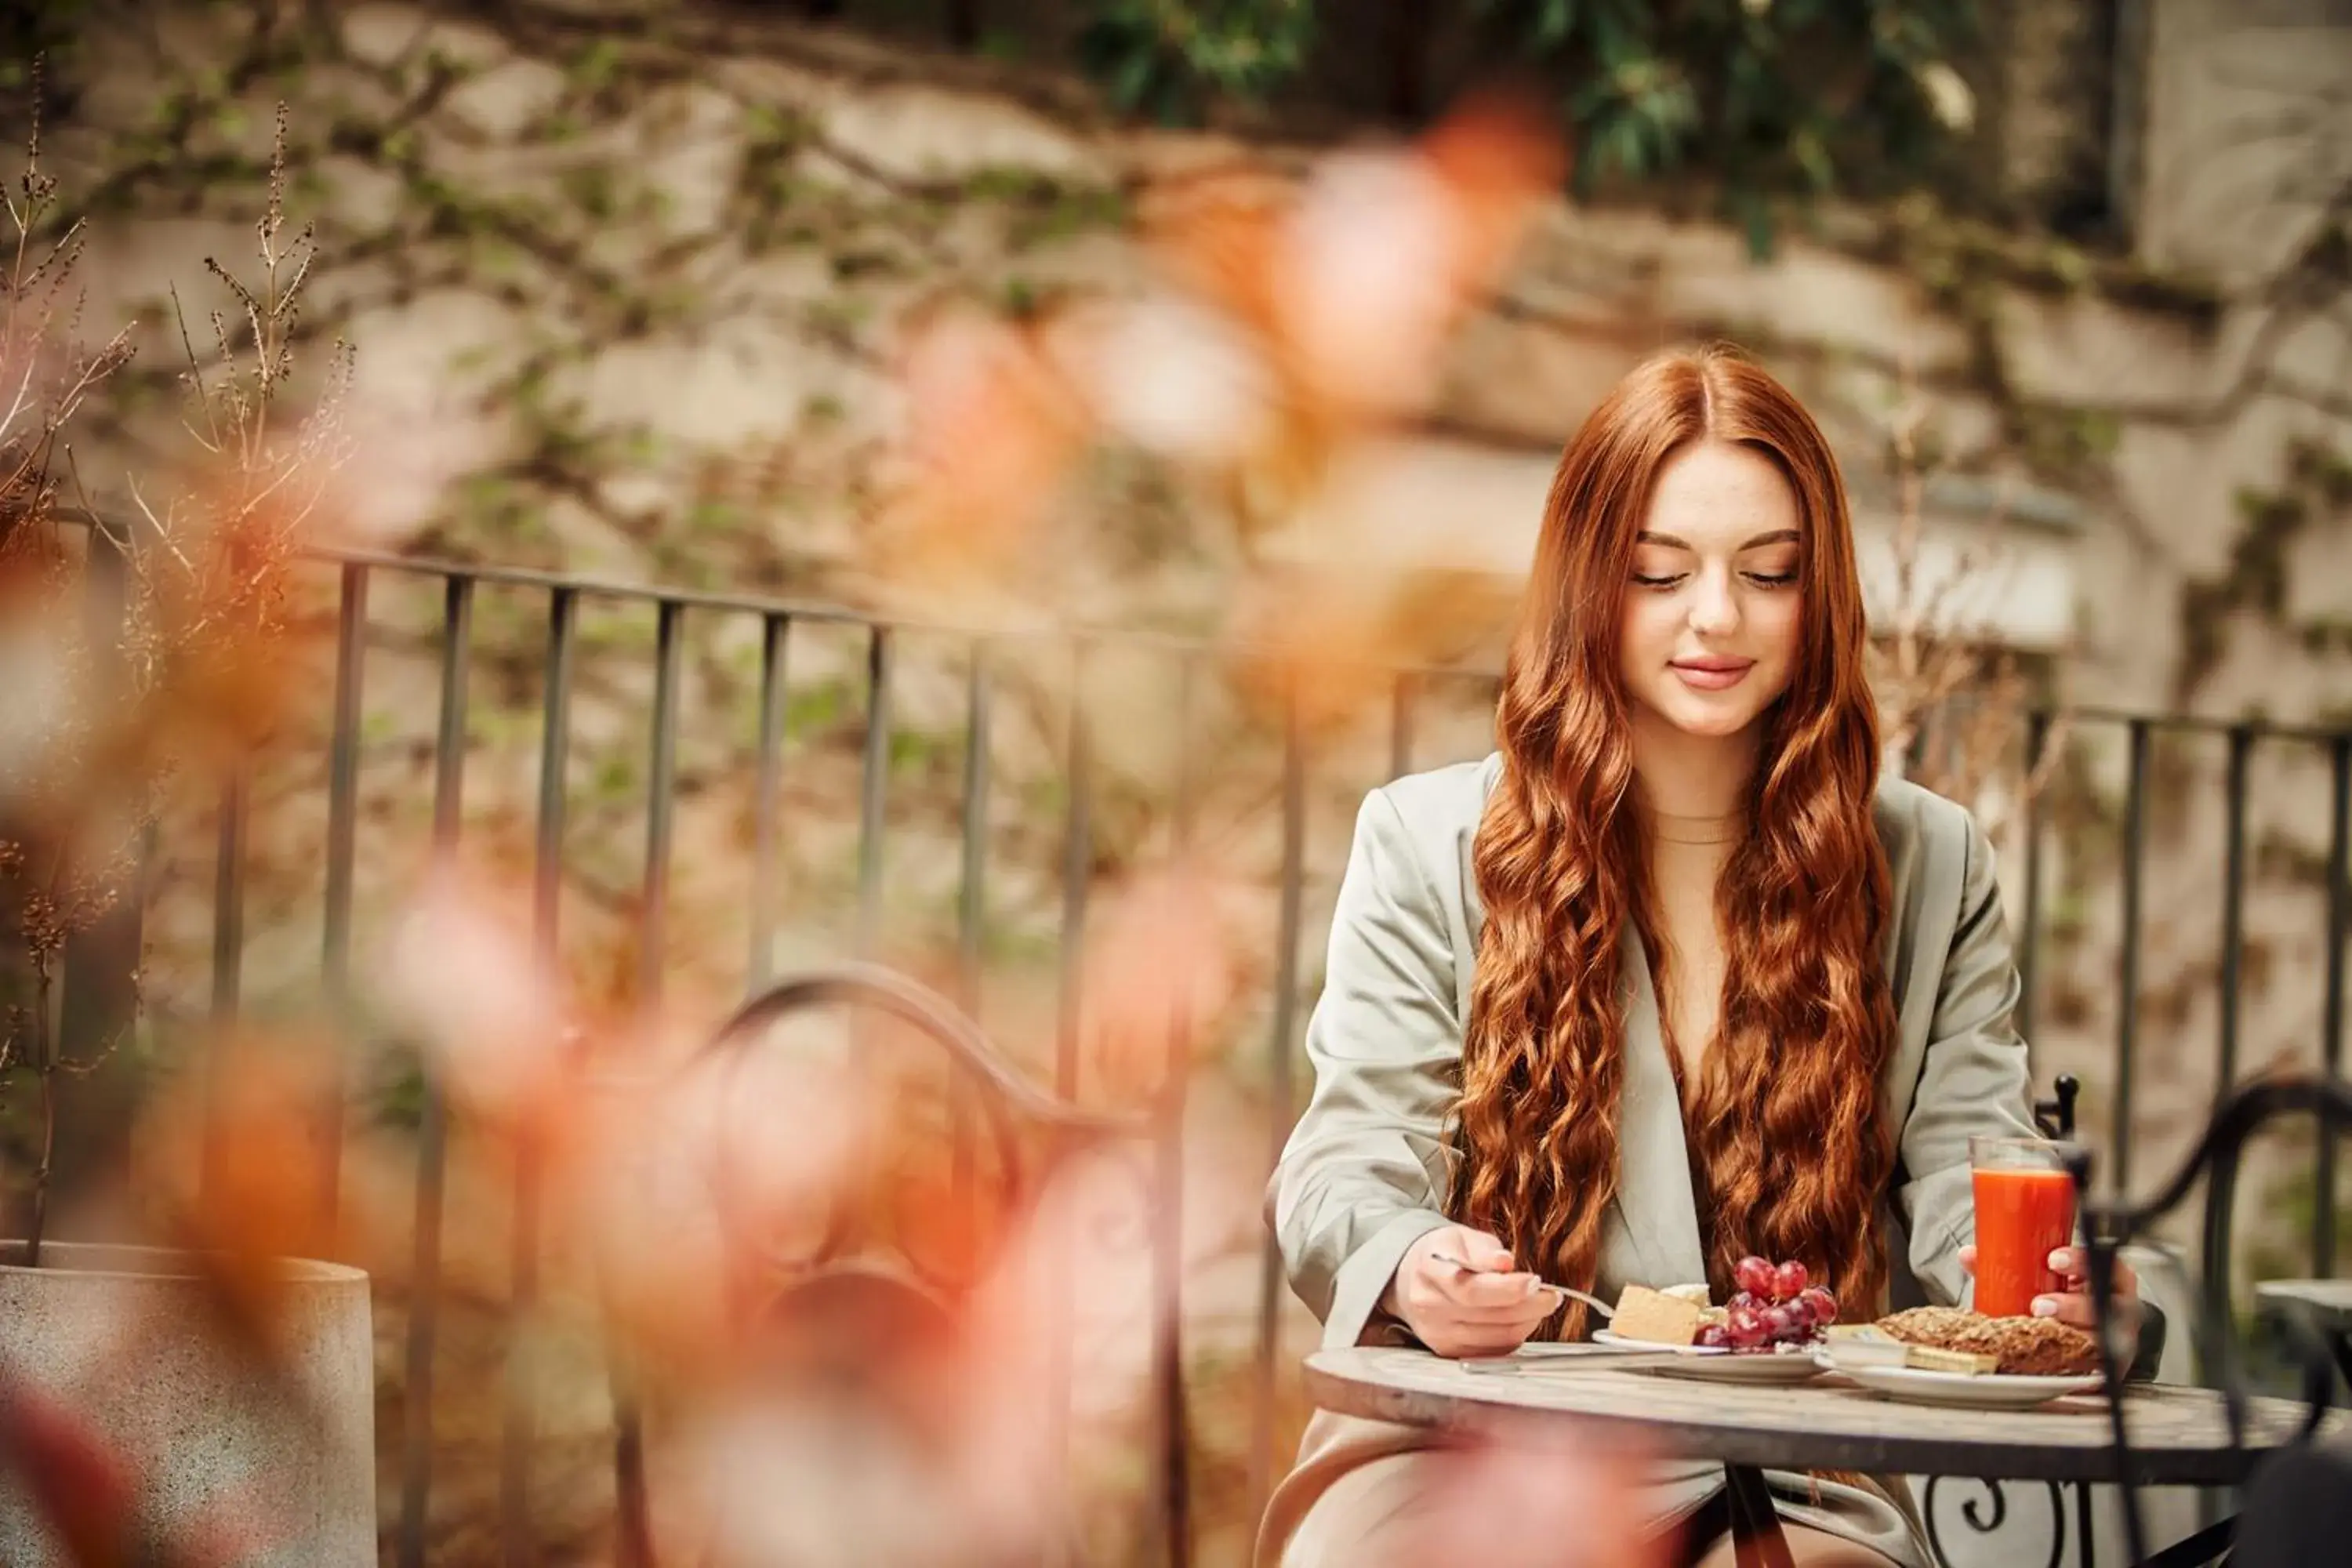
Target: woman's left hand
<point>2073,1304</point>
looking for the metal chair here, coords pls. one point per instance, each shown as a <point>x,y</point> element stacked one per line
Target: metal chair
<point>856,1295</point>
<point>2109,1225</point>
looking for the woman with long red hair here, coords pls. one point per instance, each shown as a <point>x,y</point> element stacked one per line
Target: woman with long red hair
<point>1674,977</point>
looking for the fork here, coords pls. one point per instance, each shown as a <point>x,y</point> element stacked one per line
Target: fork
<point>1566,1292</point>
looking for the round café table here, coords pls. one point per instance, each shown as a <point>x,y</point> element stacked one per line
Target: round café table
<point>2326,1303</point>
<point>2179,1437</point>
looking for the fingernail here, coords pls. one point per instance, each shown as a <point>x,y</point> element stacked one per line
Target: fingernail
<point>2061,1257</point>
<point>2045,1306</point>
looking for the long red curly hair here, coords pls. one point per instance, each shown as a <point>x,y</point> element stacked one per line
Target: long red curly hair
<point>1790,1147</point>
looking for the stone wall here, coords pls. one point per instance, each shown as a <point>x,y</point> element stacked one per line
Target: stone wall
<point>629,309</point>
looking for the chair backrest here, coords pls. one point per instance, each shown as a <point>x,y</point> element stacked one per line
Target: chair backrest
<point>2055,1115</point>
<point>856,1317</point>
<point>2110,1224</point>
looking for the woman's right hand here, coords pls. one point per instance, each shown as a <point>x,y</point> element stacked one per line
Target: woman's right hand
<point>1461,1294</point>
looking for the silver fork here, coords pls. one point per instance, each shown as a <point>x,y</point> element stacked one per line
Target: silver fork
<point>1595,1302</point>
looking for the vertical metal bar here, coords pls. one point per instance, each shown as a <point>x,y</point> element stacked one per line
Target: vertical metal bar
<point>228,898</point>
<point>1077,865</point>
<point>100,1003</point>
<point>2215,1280</point>
<point>2029,941</point>
<point>2331,1026</point>
<point>670,656</point>
<point>100,964</point>
<point>1400,727</point>
<point>2135,844</point>
<point>1173,1471</point>
<point>971,914</point>
<point>519,1429</point>
<point>425,1272</point>
<point>228,955</point>
<point>972,906</point>
<point>631,1508</point>
<point>1077,862</point>
<point>1282,1076</point>
<point>2233,906</point>
<point>871,788</point>
<point>342,821</point>
<point>775,633</point>
<point>555,746</point>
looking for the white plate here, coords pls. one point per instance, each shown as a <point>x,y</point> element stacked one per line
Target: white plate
<point>1618,1342</point>
<point>1710,1364</point>
<point>1990,1391</point>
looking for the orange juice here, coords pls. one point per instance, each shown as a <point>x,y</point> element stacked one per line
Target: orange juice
<point>2022,1215</point>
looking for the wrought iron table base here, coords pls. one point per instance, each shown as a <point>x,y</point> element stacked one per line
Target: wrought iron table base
<point>2194,1550</point>
<point>1756,1538</point>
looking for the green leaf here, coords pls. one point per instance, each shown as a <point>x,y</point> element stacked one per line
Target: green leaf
<point>1133,81</point>
<point>1755,214</point>
<point>1813,158</point>
<point>1554,23</point>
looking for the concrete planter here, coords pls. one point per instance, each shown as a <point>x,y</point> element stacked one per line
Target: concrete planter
<point>114,1333</point>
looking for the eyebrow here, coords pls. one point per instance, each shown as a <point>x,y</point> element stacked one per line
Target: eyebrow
<point>1777,536</point>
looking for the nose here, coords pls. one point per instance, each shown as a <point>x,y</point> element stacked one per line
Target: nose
<point>1714,607</point>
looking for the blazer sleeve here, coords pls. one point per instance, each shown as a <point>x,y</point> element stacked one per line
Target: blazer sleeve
<point>1973,1077</point>
<point>1363,1174</point>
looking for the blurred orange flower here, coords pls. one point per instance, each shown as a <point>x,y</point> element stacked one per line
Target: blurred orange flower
<point>994,423</point>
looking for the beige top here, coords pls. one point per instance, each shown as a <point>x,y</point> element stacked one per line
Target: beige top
<point>1686,858</point>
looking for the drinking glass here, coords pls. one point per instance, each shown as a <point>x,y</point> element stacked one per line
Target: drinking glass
<point>2025,1211</point>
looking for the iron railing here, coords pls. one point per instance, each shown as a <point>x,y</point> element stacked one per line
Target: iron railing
<point>101,964</point>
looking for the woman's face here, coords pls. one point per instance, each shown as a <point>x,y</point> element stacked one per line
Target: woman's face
<point>1709,628</point>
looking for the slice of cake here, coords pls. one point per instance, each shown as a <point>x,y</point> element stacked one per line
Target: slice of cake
<point>1654,1315</point>
<point>2033,1347</point>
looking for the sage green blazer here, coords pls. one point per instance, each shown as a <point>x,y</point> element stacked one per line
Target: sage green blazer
<point>1367,1170</point>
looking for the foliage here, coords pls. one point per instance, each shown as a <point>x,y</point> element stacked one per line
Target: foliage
<point>1167,58</point>
<point>35,30</point>
<point>1774,98</point>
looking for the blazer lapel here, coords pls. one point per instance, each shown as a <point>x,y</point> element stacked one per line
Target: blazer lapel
<point>1654,1184</point>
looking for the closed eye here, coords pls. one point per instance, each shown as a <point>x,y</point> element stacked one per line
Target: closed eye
<point>1771,579</point>
<point>1666,582</point>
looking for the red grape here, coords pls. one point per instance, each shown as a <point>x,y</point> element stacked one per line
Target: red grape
<point>1743,1327</point>
<point>1778,1322</point>
<point>1823,1306</point>
<point>1744,1300</point>
<point>1801,1314</point>
<point>1788,1280</point>
<point>1713,1337</point>
<point>1755,1276</point>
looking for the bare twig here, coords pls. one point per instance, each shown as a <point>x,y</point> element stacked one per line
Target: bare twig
<point>1952,706</point>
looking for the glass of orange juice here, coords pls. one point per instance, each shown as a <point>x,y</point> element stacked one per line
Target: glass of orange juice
<point>2025,1211</point>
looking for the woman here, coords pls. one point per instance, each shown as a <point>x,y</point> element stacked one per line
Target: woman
<point>1674,977</point>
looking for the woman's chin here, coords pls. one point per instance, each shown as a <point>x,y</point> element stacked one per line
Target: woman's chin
<point>1709,721</point>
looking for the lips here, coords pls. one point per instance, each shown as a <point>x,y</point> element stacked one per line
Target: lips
<point>1712,672</point>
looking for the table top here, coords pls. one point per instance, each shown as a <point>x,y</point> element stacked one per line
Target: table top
<point>2332,1298</point>
<point>2178,1435</point>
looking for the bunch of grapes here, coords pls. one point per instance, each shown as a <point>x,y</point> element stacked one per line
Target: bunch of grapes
<point>1775,1306</point>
